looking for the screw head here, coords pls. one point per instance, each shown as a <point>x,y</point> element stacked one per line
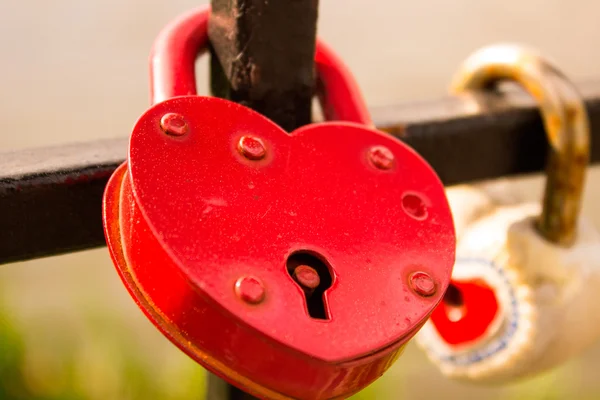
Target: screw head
<point>174,124</point>
<point>252,147</point>
<point>250,289</point>
<point>307,277</point>
<point>381,157</point>
<point>422,284</point>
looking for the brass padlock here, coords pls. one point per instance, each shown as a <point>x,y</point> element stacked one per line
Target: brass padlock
<point>524,292</point>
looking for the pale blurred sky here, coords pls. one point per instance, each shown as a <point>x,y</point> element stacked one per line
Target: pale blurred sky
<point>77,70</point>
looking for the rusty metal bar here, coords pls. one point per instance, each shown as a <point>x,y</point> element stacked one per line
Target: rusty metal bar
<point>262,56</point>
<point>50,197</point>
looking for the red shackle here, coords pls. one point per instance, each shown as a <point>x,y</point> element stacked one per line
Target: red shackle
<point>177,46</point>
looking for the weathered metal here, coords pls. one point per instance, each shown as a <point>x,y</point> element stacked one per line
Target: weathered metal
<point>263,56</point>
<point>565,120</point>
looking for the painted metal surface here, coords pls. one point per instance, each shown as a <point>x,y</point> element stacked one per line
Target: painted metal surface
<point>203,225</point>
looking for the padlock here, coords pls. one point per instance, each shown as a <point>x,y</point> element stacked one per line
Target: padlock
<point>292,265</point>
<point>524,291</point>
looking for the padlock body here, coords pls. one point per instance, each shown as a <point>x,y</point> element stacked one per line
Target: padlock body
<point>545,307</point>
<point>187,216</point>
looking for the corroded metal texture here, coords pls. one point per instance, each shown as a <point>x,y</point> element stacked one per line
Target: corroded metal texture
<point>263,56</point>
<point>565,120</point>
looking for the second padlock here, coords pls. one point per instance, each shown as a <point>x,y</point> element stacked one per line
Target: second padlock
<point>525,290</point>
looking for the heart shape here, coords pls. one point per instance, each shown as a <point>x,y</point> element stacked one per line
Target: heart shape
<point>195,215</point>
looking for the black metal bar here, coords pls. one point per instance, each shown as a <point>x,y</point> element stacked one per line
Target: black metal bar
<point>472,138</point>
<point>263,56</point>
<point>50,197</point>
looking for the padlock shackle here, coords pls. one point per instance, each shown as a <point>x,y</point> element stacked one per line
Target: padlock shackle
<point>565,120</point>
<point>174,53</point>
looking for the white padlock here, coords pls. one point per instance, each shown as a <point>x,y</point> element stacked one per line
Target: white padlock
<point>525,291</point>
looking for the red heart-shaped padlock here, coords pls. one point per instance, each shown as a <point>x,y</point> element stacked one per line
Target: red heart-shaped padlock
<point>217,207</point>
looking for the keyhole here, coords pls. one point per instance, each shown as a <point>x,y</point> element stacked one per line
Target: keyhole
<point>314,277</point>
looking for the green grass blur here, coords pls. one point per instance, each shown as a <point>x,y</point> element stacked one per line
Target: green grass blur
<point>105,368</point>
<point>69,331</point>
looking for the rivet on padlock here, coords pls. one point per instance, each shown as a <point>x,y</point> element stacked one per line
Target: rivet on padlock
<point>524,290</point>
<point>284,263</point>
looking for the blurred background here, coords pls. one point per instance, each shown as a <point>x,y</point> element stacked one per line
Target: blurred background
<point>76,70</point>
